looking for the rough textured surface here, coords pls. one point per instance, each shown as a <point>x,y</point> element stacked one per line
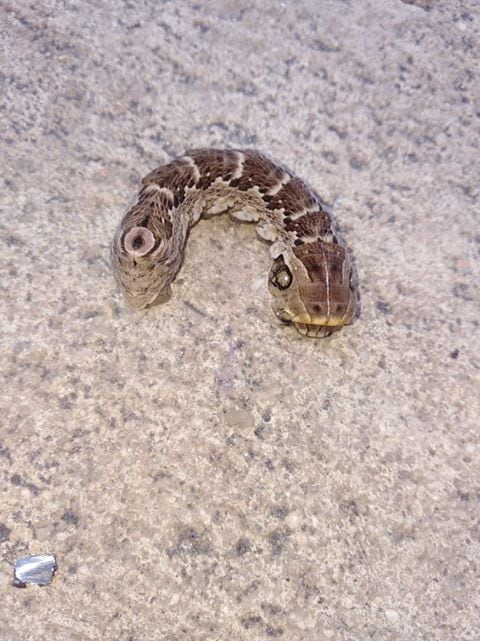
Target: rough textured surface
<point>200,471</point>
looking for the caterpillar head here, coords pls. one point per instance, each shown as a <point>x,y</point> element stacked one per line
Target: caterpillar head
<point>310,287</point>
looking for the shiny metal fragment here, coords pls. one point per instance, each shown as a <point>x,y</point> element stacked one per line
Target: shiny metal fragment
<point>38,569</point>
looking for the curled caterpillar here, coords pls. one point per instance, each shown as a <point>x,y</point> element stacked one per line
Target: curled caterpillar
<point>310,280</point>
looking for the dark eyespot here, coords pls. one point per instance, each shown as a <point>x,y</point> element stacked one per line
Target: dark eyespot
<point>282,278</point>
<point>139,241</point>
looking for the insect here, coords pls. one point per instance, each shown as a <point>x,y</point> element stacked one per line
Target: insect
<point>310,280</point>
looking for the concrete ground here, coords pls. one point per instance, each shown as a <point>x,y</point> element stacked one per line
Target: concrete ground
<point>200,471</point>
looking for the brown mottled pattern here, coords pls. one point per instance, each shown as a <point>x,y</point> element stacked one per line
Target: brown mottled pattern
<point>325,264</point>
<point>176,176</point>
<point>293,197</point>
<point>150,211</point>
<point>312,225</point>
<point>259,172</point>
<point>334,255</point>
<point>213,164</point>
<point>310,279</point>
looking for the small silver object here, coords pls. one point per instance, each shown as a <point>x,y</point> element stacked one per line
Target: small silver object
<point>38,569</point>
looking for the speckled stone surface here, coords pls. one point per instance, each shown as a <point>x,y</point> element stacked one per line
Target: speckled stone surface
<point>200,471</point>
